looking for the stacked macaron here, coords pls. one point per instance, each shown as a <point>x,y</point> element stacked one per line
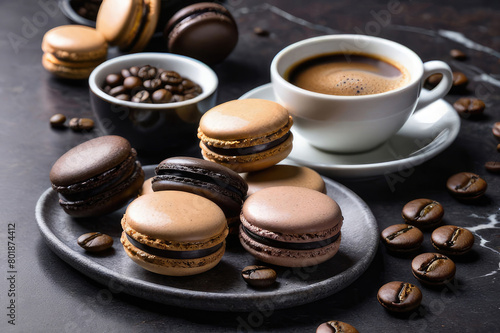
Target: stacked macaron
<point>246,135</point>
<point>97,176</point>
<point>72,51</point>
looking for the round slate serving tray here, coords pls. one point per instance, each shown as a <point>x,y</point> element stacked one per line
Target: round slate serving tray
<point>221,288</point>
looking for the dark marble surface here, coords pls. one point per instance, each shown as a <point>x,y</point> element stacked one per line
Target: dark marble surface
<point>50,296</point>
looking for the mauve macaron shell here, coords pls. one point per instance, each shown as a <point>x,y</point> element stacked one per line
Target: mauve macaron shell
<point>241,119</point>
<point>291,210</point>
<point>89,159</point>
<point>175,216</point>
<point>284,175</point>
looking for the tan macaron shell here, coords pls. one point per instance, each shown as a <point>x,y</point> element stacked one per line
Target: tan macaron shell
<point>290,213</point>
<point>120,21</point>
<point>284,175</point>
<point>244,123</point>
<point>175,220</point>
<point>75,43</point>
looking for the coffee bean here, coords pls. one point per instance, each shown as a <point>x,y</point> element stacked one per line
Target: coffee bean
<point>170,77</point>
<point>433,268</point>
<point>452,240</point>
<point>132,82</point>
<point>335,326</point>
<point>469,106</point>
<point>114,80</point>
<point>498,147</point>
<point>161,96</point>
<point>466,186</point>
<point>152,84</point>
<point>492,166</point>
<point>95,241</point>
<point>433,80</point>
<point>141,97</point>
<point>57,120</point>
<point>129,83</point>
<point>147,72</point>
<point>423,213</point>
<point>496,130</point>
<point>402,238</point>
<point>134,71</point>
<point>123,97</point>
<point>118,90</point>
<point>457,54</point>
<point>459,80</point>
<point>399,296</point>
<point>260,32</point>
<point>81,124</point>
<point>259,276</point>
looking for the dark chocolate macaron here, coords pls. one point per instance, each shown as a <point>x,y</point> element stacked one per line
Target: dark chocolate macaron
<point>205,31</point>
<point>213,181</point>
<point>97,177</point>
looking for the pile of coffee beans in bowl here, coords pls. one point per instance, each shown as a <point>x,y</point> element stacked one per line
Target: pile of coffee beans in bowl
<point>149,84</point>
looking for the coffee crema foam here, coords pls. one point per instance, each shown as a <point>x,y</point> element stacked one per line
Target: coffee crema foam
<point>348,75</point>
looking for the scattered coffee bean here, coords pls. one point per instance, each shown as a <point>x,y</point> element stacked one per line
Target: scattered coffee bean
<point>458,54</point>
<point>498,147</point>
<point>399,296</point>
<point>469,106</point>
<point>433,80</point>
<point>466,186</point>
<point>259,276</point>
<point>57,120</point>
<point>260,32</point>
<point>402,238</point>
<point>492,166</point>
<point>423,213</point>
<point>130,83</point>
<point>335,326</point>
<point>496,130</point>
<point>452,240</point>
<point>459,80</point>
<point>95,241</point>
<point>81,124</point>
<point>433,268</point>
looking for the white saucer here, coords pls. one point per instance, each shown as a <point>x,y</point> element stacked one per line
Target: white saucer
<point>427,133</point>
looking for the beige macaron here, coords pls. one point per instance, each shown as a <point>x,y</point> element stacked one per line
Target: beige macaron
<point>246,135</point>
<point>174,233</point>
<point>73,51</point>
<point>284,175</point>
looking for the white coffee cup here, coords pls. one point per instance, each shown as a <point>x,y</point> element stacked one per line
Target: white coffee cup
<point>351,124</point>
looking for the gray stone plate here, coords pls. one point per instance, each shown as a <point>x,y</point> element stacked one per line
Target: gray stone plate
<point>221,288</point>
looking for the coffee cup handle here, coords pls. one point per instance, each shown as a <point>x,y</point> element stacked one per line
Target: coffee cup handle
<point>429,96</point>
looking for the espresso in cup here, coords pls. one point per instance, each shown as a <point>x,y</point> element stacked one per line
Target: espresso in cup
<point>346,74</point>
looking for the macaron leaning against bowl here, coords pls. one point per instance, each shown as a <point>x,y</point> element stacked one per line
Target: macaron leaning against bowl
<point>73,51</point>
<point>246,135</point>
<point>205,31</point>
<point>174,233</point>
<point>97,177</point>
<point>291,226</point>
<point>128,24</point>
<point>210,180</point>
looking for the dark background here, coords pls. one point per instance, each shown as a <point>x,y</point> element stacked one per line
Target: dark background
<point>51,296</point>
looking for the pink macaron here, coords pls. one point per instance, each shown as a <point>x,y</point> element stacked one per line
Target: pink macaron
<point>291,226</point>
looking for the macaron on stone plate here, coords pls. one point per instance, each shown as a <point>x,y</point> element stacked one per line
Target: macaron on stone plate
<point>207,291</point>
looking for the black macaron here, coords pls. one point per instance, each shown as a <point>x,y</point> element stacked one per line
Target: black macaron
<point>97,177</point>
<point>205,31</point>
<point>213,181</point>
